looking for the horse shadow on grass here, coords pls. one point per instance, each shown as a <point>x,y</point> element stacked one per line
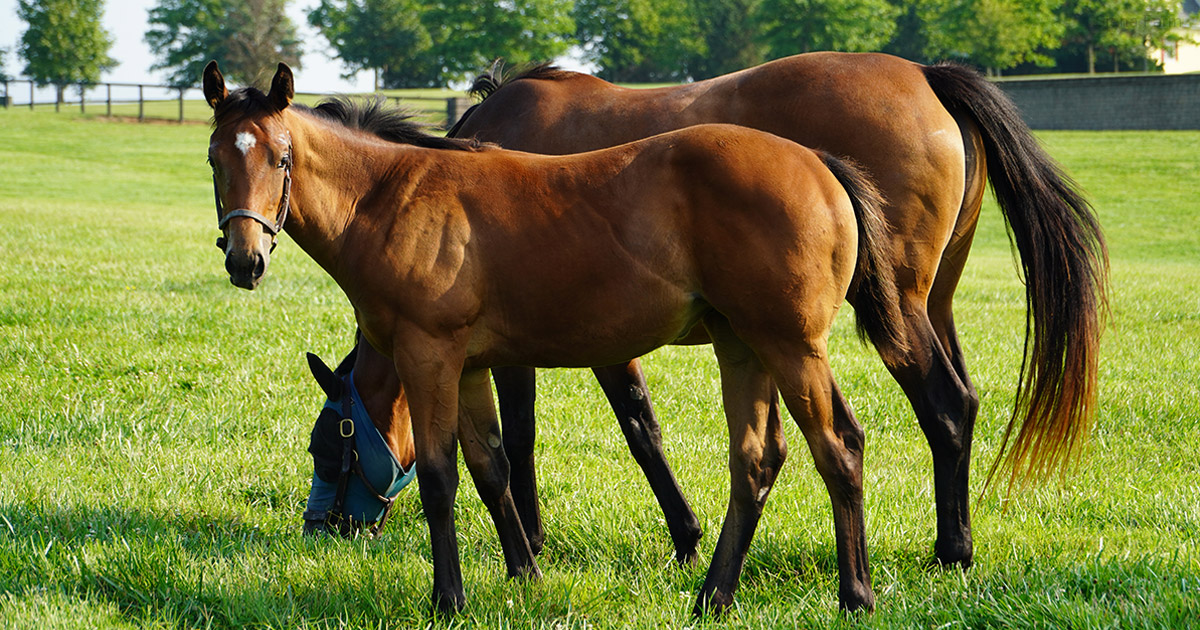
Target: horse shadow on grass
<point>202,570</point>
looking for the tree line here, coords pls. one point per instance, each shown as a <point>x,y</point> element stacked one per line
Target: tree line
<point>425,43</point>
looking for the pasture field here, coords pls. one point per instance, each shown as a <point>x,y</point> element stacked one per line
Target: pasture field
<point>154,420</point>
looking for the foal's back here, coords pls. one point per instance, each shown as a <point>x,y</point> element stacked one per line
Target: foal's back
<point>612,253</point>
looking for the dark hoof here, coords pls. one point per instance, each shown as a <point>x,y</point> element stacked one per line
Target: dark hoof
<point>535,544</point>
<point>447,604</point>
<point>713,605</point>
<point>687,559</point>
<point>687,550</point>
<point>953,556</point>
<point>856,600</point>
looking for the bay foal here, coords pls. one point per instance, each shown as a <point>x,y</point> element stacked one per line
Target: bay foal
<point>458,258</point>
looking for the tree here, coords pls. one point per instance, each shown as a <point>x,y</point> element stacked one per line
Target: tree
<point>247,37</point>
<point>994,34</point>
<point>794,26</point>
<point>3,62</point>
<point>1127,30</point>
<point>639,40</point>
<point>65,43</point>
<point>731,38</point>
<point>420,43</point>
<point>469,34</point>
<point>377,35</point>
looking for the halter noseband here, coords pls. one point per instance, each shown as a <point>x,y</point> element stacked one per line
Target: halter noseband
<point>272,227</point>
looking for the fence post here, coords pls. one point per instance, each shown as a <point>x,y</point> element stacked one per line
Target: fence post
<point>181,104</point>
<point>141,105</point>
<point>7,98</point>
<point>108,100</point>
<point>31,95</point>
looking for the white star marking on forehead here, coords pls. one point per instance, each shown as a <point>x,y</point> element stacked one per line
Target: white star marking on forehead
<point>245,140</point>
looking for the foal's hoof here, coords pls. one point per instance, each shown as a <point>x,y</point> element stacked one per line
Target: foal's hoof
<point>854,600</point>
<point>448,604</point>
<point>954,557</point>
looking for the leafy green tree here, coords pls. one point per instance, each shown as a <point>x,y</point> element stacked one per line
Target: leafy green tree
<point>379,35</point>
<point>994,34</point>
<point>247,37</point>
<point>3,62</point>
<point>64,43</point>
<point>731,37</point>
<point>422,43</point>
<point>1126,31</point>
<point>469,34</point>
<point>639,40</point>
<point>794,26</point>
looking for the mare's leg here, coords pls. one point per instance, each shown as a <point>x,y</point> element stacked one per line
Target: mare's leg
<point>516,390</point>
<point>479,434</point>
<point>836,441</point>
<point>625,386</point>
<point>945,406</point>
<point>757,451</point>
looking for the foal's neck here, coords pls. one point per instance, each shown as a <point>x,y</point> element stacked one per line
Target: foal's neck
<point>335,171</point>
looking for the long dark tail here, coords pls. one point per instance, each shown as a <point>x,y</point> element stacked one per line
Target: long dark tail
<point>873,291</point>
<point>1065,264</point>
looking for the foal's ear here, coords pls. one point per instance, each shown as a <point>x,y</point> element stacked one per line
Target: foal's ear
<point>283,88</point>
<point>214,85</point>
<point>329,382</point>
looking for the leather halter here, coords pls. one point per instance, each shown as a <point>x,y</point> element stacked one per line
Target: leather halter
<point>281,215</point>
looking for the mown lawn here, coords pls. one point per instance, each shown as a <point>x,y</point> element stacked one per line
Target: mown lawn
<point>153,425</point>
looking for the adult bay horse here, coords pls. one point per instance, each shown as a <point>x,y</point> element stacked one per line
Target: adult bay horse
<point>458,257</point>
<point>931,137</point>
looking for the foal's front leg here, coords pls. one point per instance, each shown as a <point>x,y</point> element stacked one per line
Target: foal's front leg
<point>479,433</point>
<point>431,384</point>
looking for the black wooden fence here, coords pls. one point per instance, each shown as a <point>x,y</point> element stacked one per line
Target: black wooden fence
<point>162,102</point>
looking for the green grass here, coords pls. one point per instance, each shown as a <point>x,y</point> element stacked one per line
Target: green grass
<point>153,425</point>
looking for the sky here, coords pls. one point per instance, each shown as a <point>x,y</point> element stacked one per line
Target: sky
<point>125,20</point>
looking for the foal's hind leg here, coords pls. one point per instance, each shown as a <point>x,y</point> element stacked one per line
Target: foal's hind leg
<point>516,389</point>
<point>625,386</point>
<point>757,451</point>
<point>836,441</point>
<point>479,434</point>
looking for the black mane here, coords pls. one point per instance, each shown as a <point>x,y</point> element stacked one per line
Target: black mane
<point>372,115</point>
<point>487,83</point>
<point>495,78</point>
<point>394,124</point>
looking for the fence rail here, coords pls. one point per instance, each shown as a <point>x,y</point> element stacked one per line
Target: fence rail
<point>146,101</point>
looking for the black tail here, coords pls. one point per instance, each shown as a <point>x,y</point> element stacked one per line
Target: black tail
<point>873,291</point>
<point>1065,264</point>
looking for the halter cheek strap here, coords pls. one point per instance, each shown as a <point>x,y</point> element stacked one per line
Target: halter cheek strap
<point>272,227</point>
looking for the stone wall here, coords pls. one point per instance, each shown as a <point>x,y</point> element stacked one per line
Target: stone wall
<point>1108,102</point>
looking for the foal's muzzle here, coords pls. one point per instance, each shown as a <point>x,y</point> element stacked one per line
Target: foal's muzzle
<point>246,268</point>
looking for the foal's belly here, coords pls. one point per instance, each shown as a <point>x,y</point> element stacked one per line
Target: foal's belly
<point>589,330</point>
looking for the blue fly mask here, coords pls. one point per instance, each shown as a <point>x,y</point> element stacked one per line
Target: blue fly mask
<point>356,477</point>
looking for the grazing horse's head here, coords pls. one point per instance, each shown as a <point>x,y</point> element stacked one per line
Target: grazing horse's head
<point>250,151</point>
<point>356,477</point>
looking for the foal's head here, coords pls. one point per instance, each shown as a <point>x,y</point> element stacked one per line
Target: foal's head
<point>250,151</point>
